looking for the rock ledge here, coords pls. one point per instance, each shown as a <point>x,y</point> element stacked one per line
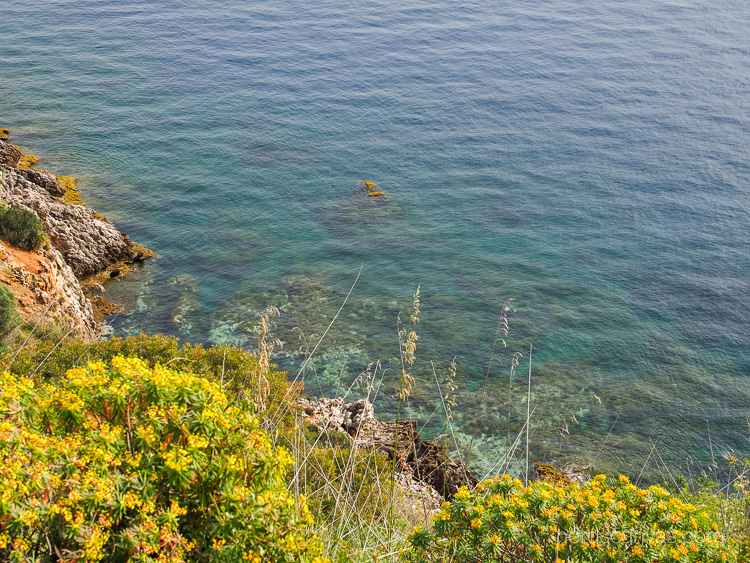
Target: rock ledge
<point>422,461</point>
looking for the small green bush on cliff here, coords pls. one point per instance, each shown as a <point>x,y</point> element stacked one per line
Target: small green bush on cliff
<point>128,462</point>
<point>8,313</point>
<point>503,521</point>
<point>20,227</point>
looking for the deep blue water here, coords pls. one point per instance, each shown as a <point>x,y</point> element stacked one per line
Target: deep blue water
<point>588,159</point>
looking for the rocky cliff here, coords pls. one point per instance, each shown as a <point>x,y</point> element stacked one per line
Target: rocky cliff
<point>45,286</point>
<point>84,247</point>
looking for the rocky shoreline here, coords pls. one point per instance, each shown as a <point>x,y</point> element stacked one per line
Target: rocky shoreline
<point>424,469</point>
<point>82,249</point>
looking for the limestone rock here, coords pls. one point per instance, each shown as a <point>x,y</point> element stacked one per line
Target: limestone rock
<point>10,154</point>
<point>445,475</point>
<point>358,420</point>
<point>338,415</point>
<point>87,241</point>
<point>426,461</point>
<point>382,436</point>
<point>45,180</point>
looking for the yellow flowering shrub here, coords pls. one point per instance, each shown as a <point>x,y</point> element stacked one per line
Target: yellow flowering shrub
<point>124,462</point>
<point>503,521</point>
<point>49,359</point>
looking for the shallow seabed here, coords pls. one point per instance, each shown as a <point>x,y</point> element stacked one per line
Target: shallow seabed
<point>587,159</point>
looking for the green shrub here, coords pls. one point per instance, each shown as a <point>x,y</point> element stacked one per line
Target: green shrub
<point>20,227</point>
<point>8,313</point>
<point>505,521</point>
<point>723,489</point>
<point>125,462</point>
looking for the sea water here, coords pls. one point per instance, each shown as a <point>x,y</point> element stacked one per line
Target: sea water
<point>585,163</point>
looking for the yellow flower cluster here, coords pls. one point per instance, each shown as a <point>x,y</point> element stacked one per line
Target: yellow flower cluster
<point>503,520</point>
<point>141,462</point>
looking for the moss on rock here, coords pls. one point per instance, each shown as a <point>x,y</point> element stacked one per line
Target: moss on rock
<point>71,196</point>
<point>371,188</point>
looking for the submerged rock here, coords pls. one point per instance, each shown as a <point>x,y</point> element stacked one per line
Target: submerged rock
<point>370,188</point>
<point>70,193</point>
<point>185,312</point>
<point>184,283</point>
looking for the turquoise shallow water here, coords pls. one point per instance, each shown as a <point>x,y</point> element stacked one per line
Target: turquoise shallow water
<point>588,160</point>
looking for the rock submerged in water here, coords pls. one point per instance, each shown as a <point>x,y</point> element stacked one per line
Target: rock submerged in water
<point>371,188</point>
<point>69,190</point>
<point>188,307</point>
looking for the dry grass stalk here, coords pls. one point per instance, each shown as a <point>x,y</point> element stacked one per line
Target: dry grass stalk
<point>261,387</point>
<point>501,333</point>
<point>528,416</point>
<point>407,344</point>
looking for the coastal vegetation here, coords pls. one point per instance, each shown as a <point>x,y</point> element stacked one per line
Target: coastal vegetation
<point>122,461</point>
<point>8,312</point>
<point>138,448</point>
<point>598,521</point>
<point>20,227</point>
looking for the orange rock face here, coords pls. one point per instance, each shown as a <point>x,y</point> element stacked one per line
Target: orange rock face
<point>44,286</point>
